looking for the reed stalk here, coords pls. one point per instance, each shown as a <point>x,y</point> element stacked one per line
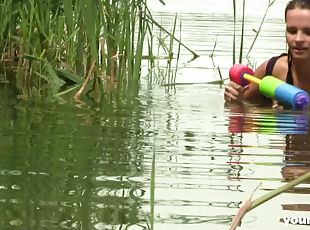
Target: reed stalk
<point>177,57</point>
<point>195,55</point>
<point>221,81</point>
<point>248,205</point>
<point>242,32</point>
<point>278,191</point>
<point>257,32</point>
<point>55,42</point>
<point>234,33</point>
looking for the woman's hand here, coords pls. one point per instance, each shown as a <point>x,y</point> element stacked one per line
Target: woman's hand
<point>234,93</point>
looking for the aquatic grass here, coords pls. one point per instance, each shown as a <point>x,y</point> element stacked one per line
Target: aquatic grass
<point>169,72</point>
<point>221,81</point>
<point>178,55</point>
<point>195,55</point>
<point>167,76</point>
<point>71,35</point>
<point>257,32</point>
<point>242,36</point>
<point>6,16</point>
<point>234,31</point>
<point>242,32</point>
<point>140,45</point>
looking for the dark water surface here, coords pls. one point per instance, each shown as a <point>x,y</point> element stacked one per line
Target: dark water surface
<point>152,157</point>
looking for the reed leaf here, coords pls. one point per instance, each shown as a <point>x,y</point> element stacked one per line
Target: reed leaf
<point>53,38</point>
<point>270,3</point>
<point>140,43</point>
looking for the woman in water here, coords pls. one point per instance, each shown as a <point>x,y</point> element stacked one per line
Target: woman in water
<point>293,67</point>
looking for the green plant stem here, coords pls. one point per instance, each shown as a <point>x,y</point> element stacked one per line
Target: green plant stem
<point>278,191</point>
<point>242,32</point>
<point>176,39</point>
<point>234,36</point>
<point>270,3</point>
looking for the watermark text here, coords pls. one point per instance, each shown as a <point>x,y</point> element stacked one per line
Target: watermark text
<point>296,220</point>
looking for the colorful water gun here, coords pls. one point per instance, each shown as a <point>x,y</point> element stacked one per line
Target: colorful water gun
<point>271,87</point>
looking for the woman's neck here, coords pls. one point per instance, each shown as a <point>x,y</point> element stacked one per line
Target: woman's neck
<point>301,67</point>
<point>301,73</point>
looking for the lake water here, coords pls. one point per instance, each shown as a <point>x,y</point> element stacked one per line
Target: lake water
<point>155,157</point>
<point>207,29</point>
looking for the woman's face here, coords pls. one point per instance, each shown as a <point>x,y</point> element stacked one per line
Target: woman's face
<point>298,32</point>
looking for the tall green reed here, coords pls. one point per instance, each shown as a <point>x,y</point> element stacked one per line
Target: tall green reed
<point>235,29</point>
<point>57,42</point>
<point>257,32</point>
<point>166,76</point>
<point>242,36</point>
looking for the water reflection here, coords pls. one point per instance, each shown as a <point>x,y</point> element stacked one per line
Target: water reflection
<point>64,167</point>
<point>297,163</point>
<point>91,167</point>
<point>244,119</point>
<point>293,126</point>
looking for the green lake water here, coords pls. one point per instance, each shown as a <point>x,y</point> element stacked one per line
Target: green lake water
<point>153,157</point>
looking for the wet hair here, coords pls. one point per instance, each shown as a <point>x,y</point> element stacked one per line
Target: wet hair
<point>293,4</point>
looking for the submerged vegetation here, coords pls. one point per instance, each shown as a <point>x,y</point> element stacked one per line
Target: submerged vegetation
<point>74,45</point>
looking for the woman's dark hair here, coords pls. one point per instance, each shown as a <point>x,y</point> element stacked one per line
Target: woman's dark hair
<point>293,4</point>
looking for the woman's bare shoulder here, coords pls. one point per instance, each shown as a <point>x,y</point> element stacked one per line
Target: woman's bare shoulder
<point>281,68</point>
<point>261,69</point>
